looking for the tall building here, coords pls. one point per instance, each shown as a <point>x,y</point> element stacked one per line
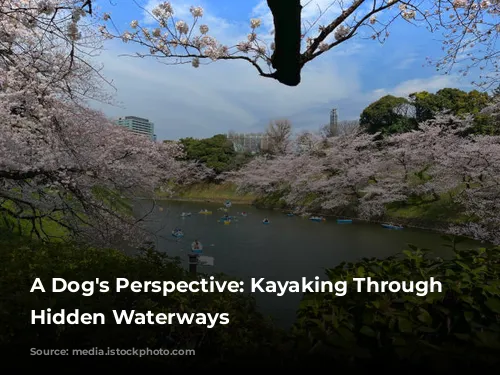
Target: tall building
<point>138,125</point>
<point>334,122</point>
<point>248,142</point>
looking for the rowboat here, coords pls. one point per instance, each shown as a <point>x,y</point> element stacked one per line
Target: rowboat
<point>265,222</point>
<point>227,222</point>
<point>197,248</point>
<point>317,219</point>
<point>344,221</point>
<point>186,214</point>
<point>177,233</point>
<point>290,214</point>
<point>390,226</point>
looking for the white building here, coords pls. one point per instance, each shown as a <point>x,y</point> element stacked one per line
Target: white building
<point>138,125</point>
<point>249,142</point>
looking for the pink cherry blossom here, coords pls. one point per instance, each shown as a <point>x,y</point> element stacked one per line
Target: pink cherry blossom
<point>60,161</point>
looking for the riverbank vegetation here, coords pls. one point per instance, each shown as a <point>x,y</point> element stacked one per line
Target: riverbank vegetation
<point>218,192</point>
<point>457,327</point>
<point>428,160</point>
<point>443,164</point>
<point>22,260</point>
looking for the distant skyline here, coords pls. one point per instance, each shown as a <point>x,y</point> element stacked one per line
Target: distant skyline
<point>230,96</point>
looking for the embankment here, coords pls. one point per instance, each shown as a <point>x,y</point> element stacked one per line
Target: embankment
<point>210,192</point>
<point>435,216</point>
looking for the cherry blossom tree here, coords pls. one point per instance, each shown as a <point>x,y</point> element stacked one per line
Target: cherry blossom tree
<point>278,135</point>
<point>363,174</point>
<point>61,162</point>
<point>327,176</point>
<point>470,29</point>
<point>309,142</point>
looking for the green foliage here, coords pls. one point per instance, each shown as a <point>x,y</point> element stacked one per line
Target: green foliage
<point>457,102</point>
<point>458,325</point>
<point>387,115</point>
<point>391,114</point>
<point>22,261</point>
<point>495,93</point>
<point>216,153</point>
<point>113,200</point>
<point>214,192</point>
<point>272,200</point>
<point>487,124</point>
<point>18,215</point>
<point>31,222</point>
<point>359,328</point>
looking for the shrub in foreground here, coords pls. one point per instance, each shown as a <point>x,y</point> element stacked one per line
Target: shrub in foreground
<point>459,326</point>
<point>249,334</point>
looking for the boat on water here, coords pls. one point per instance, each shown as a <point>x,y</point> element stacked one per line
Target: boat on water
<point>197,247</point>
<point>227,204</point>
<point>317,218</point>
<point>244,214</point>
<point>391,226</point>
<point>290,214</point>
<point>227,222</point>
<point>186,214</point>
<point>265,221</point>
<point>344,221</point>
<point>177,233</point>
<point>205,212</point>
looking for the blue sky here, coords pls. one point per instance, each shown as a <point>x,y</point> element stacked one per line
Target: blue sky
<point>183,101</point>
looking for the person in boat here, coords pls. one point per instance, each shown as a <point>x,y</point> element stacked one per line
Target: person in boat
<point>196,245</point>
<point>266,220</point>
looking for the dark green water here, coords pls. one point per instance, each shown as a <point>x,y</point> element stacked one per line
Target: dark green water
<point>287,249</point>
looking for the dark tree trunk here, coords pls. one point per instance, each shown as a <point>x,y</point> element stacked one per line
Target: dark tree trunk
<point>287,25</point>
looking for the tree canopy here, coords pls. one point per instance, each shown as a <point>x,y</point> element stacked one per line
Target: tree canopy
<point>216,153</point>
<point>391,114</point>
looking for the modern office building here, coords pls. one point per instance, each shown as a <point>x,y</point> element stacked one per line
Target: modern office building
<point>248,142</point>
<point>138,125</point>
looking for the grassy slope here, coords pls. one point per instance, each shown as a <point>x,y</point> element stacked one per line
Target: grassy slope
<point>52,230</point>
<point>212,192</point>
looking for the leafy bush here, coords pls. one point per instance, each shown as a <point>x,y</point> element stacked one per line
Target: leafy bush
<point>248,335</point>
<point>458,326</point>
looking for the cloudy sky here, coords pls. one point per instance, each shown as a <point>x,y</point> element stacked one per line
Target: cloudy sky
<point>229,95</point>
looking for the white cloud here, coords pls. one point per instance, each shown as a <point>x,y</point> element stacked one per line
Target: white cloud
<point>218,97</point>
<point>229,95</point>
<point>431,84</point>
